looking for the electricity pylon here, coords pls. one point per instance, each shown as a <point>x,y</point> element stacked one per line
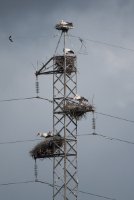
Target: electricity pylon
<point>64,71</point>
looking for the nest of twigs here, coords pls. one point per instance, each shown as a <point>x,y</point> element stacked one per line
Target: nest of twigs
<point>77,110</point>
<point>47,148</point>
<point>70,64</point>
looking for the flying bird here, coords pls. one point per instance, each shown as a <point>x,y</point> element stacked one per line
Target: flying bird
<point>10,38</point>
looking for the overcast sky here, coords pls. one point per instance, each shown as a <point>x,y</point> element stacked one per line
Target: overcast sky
<point>105,167</point>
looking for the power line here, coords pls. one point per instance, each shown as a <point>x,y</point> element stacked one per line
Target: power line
<point>107,137</point>
<point>15,183</point>
<point>42,98</point>
<point>112,116</point>
<point>24,182</point>
<point>19,141</point>
<point>36,37</point>
<point>80,135</point>
<point>17,99</point>
<point>96,195</point>
<point>51,185</point>
<point>111,45</point>
<point>78,37</point>
<point>24,98</point>
<point>80,191</point>
<point>49,100</point>
<point>113,138</point>
<point>104,43</point>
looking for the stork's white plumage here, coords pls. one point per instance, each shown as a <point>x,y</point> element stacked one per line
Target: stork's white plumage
<point>63,22</point>
<point>62,25</point>
<point>77,97</point>
<point>45,135</point>
<point>80,98</point>
<point>42,134</point>
<point>68,51</point>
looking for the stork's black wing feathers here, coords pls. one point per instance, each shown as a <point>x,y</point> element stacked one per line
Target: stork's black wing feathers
<point>10,38</point>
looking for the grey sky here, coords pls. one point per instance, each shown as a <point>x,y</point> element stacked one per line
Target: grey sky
<point>107,73</point>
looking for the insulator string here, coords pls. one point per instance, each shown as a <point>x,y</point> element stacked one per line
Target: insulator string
<point>37,86</point>
<point>93,124</point>
<point>36,171</point>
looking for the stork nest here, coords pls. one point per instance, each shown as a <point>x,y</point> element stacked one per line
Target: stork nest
<point>78,110</point>
<point>70,64</point>
<point>47,148</point>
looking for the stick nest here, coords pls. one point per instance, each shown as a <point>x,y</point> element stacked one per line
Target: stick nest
<point>78,110</point>
<point>70,64</point>
<point>47,148</point>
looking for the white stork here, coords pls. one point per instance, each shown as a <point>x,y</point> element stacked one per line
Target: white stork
<point>68,51</point>
<point>63,22</point>
<point>77,97</point>
<point>45,135</point>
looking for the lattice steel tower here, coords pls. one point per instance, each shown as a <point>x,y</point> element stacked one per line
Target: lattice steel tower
<point>64,73</point>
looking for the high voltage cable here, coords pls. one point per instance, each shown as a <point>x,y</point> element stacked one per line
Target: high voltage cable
<point>49,100</point>
<point>80,191</point>
<point>32,37</point>
<point>46,99</point>
<point>104,136</point>
<point>24,98</point>
<point>104,43</point>
<point>80,135</point>
<point>112,116</point>
<point>111,45</point>
<point>51,185</point>
<point>19,141</point>
<point>15,183</point>
<point>78,37</point>
<point>23,182</point>
<point>96,195</point>
<point>108,137</point>
<point>17,99</point>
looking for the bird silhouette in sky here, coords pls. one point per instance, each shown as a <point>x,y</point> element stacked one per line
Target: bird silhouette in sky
<point>10,38</point>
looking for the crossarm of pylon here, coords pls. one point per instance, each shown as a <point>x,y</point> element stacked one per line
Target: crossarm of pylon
<point>43,67</point>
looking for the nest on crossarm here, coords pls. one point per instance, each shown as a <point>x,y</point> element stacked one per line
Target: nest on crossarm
<point>78,110</point>
<point>47,148</point>
<point>70,64</point>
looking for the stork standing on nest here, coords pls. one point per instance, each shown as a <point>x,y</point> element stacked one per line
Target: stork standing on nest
<point>62,25</point>
<point>80,98</point>
<point>62,22</point>
<point>68,51</point>
<point>45,135</point>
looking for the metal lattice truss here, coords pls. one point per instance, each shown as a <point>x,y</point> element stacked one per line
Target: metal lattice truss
<point>64,72</point>
<point>65,167</point>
